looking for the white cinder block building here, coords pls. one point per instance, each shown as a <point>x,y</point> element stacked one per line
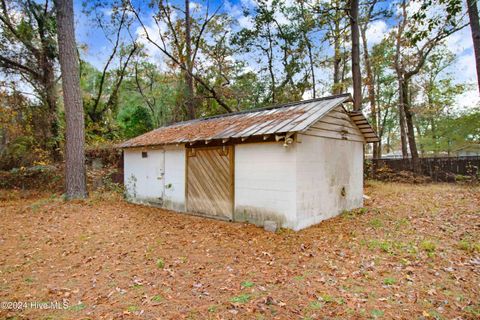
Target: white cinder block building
<point>296,164</point>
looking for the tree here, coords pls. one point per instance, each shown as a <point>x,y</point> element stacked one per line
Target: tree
<point>172,42</point>
<point>135,121</point>
<point>436,95</point>
<point>75,174</point>
<point>28,53</point>
<point>188,63</point>
<point>414,44</point>
<point>368,70</point>
<point>452,9</point>
<point>475,28</point>
<point>332,18</point>
<point>356,74</point>
<point>278,48</point>
<point>101,98</point>
<point>385,95</point>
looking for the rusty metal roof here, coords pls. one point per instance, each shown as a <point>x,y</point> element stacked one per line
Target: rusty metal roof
<point>292,117</point>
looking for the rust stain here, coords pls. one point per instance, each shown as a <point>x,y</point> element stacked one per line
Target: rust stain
<point>205,129</point>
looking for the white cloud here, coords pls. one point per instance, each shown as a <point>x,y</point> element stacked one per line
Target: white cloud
<point>246,22</point>
<point>376,32</point>
<point>465,72</point>
<point>469,99</point>
<point>460,41</point>
<point>153,30</point>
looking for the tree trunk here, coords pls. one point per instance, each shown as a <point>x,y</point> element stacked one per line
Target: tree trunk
<point>189,63</point>
<point>475,28</point>
<point>380,122</point>
<point>337,60</point>
<point>310,53</point>
<point>434,136</point>
<point>356,75</point>
<point>410,127</point>
<point>371,89</point>
<point>75,177</point>
<point>401,115</point>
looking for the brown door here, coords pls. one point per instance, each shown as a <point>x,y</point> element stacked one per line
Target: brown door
<point>210,181</point>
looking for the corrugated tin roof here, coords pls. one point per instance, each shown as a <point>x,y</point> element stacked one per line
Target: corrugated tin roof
<point>292,117</point>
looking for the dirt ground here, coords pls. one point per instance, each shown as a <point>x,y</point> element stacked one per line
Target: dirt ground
<point>413,252</point>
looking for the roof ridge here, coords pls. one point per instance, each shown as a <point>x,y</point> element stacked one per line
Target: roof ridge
<point>277,106</point>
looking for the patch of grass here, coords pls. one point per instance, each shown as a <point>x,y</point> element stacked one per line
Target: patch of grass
<point>385,246</point>
<point>389,281</point>
<point>29,280</point>
<point>402,223</point>
<point>315,305</point>
<point>376,223</point>
<point>353,213</point>
<point>212,309</point>
<point>377,313</point>
<point>247,284</point>
<point>473,310</point>
<point>361,211</point>
<point>83,237</point>
<point>327,298</point>
<point>243,298</point>
<point>133,308</point>
<point>160,263</point>
<point>157,298</point>
<point>435,315</point>
<point>428,246</point>
<point>77,307</point>
<point>468,246</point>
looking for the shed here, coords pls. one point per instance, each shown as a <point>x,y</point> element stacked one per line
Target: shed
<point>296,164</point>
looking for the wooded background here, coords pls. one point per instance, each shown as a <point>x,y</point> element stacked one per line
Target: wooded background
<point>164,62</point>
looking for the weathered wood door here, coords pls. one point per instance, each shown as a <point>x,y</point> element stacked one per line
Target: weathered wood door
<point>210,181</point>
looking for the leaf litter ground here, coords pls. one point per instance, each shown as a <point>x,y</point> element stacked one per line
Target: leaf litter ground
<point>413,252</point>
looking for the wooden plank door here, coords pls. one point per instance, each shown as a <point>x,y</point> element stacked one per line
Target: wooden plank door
<point>210,181</point>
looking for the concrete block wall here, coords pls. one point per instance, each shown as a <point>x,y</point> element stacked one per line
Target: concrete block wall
<point>265,185</point>
<point>329,176</point>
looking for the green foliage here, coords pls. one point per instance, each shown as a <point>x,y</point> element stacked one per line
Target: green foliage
<point>376,223</point>
<point>243,298</point>
<point>276,46</point>
<point>160,263</point>
<point>377,313</point>
<point>133,308</point>
<point>425,23</point>
<point>272,61</point>
<point>428,246</point>
<point>135,121</point>
<point>315,305</point>
<point>157,298</point>
<point>247,284</point>
<point>469,245</point>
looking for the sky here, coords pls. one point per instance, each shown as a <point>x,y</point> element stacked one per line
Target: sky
<point>459,43</point>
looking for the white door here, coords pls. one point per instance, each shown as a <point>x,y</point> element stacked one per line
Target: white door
<point>145,175</point>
